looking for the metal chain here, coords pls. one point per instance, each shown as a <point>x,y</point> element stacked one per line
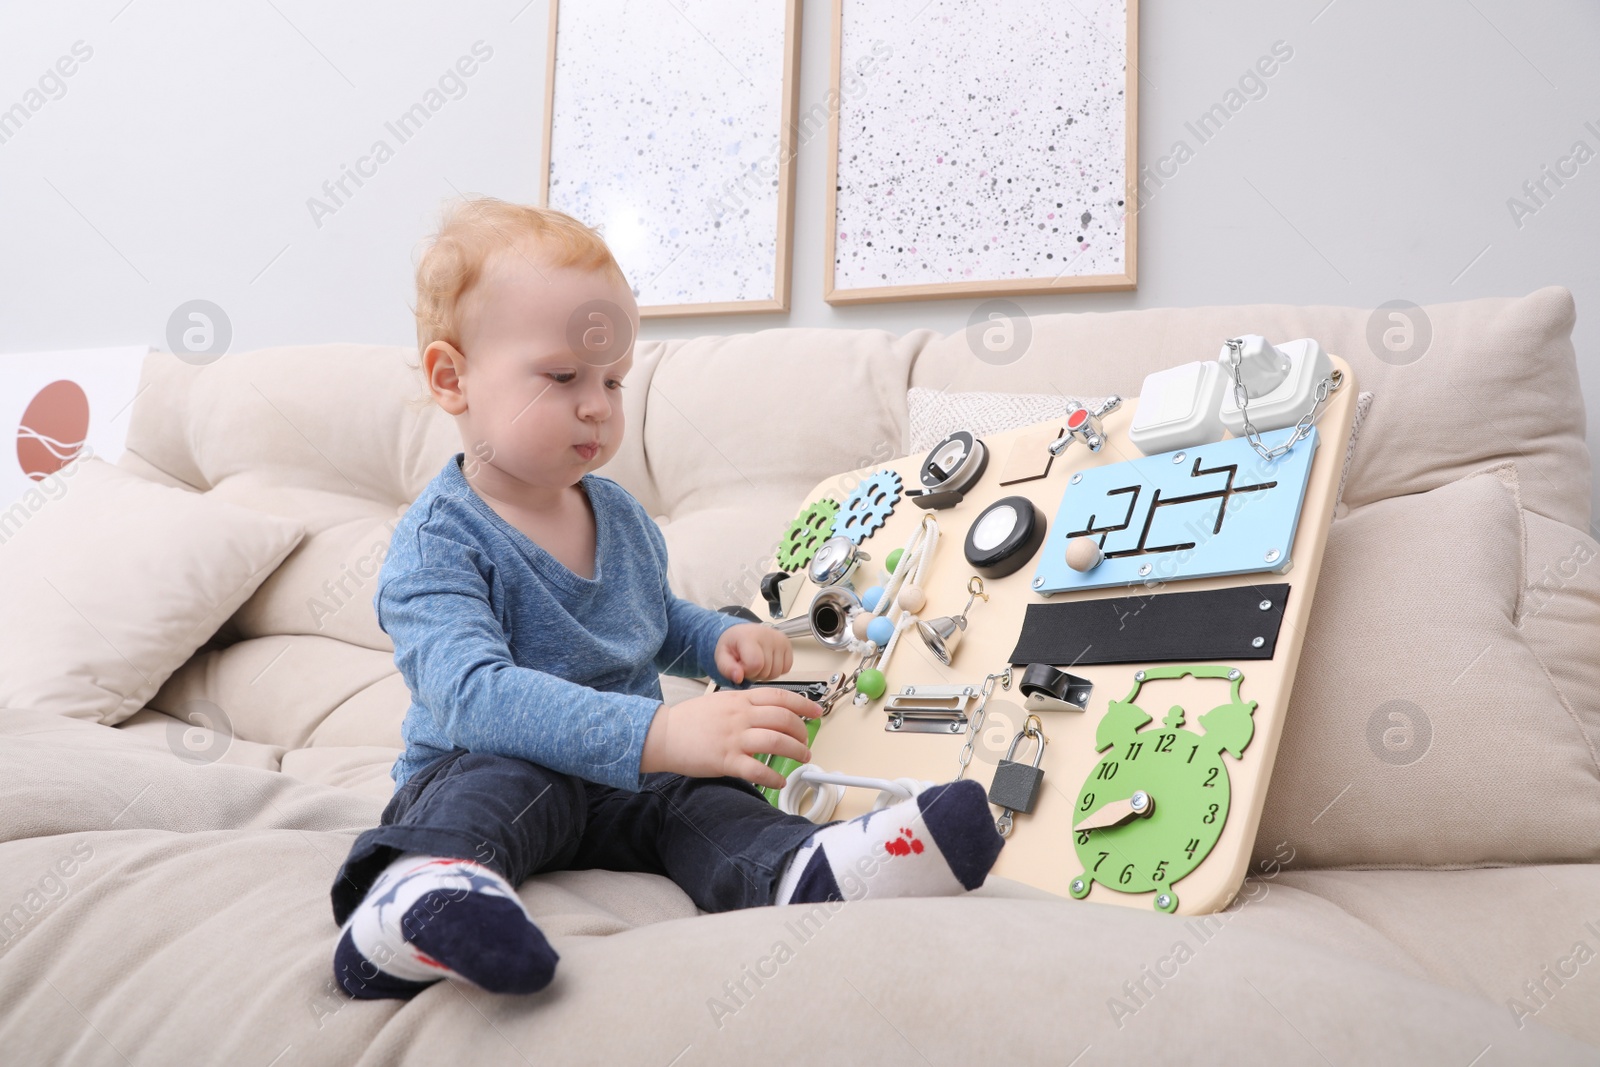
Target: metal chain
<point>869,660</point>
<point>1325,387</point>
<point>839,685</point>
<point>976,723</point>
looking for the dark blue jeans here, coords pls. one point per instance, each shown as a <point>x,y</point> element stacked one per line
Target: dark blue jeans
<point>717,838</point>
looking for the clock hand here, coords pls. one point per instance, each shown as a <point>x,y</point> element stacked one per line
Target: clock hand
<point>1117,812</point>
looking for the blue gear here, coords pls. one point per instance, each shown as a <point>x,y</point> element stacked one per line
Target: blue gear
<point>866,508</point>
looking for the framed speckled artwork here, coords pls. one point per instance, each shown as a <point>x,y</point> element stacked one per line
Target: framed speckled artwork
<point>982,149</point>
<point>669,127</point>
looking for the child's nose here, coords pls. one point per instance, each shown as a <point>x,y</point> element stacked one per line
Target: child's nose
<point>594,404</point>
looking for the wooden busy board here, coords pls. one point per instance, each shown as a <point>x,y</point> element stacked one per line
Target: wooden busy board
<point>1042,848</point>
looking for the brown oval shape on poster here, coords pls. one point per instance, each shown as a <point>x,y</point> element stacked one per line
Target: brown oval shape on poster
<point>54,426</point>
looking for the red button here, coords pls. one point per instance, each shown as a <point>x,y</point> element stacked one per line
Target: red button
<point>1077,418</point>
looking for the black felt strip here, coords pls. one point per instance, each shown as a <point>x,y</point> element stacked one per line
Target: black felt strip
<point>1215,624</point>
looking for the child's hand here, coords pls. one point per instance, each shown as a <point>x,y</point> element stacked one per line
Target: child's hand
<point>753,651</point>
<point>719,734</point>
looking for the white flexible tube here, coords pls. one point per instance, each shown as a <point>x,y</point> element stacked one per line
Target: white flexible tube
<point>813,800</point>
<point>910,555</point>
<point>822,790</point>
<point>913,561</point>
<point>914,557</point>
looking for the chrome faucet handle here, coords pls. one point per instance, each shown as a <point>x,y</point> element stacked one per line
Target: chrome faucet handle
<point>1083,424</point>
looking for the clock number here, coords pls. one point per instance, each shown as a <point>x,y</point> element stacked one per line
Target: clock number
<point>1126,876</point>
<point>1192,750</point>
<point>1101,860</point>
<point>1087,802</point>
<point>1188,850</point>
<point>1083,837</point>
<point>1108,770</point>
<point>1164,742</point>
<point>1133,749</point>
<point>1211,816</point>
<point>1211,779</point>
<point>1161,872</point>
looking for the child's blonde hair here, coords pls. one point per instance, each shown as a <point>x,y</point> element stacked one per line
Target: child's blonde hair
<point>471,233</point>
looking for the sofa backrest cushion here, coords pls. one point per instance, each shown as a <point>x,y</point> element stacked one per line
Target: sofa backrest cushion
<point>1424,729</point>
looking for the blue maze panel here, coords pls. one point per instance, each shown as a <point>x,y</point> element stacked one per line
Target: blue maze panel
<point>1221,509</point>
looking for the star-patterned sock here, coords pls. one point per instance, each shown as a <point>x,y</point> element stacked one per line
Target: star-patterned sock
<point>938,843</point>
<point>430,917</point>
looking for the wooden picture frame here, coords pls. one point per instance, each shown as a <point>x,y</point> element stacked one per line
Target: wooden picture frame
<point>927,80</point>
<point>667,232</point>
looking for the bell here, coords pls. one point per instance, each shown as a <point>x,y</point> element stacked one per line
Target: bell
<point>943,634</point>
<point>836,562</point>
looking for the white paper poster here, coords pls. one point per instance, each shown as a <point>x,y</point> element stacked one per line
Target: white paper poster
<point>60,403</point>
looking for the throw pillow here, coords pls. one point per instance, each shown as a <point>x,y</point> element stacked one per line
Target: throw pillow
<point>112,582</point>
<point>1423,730</point>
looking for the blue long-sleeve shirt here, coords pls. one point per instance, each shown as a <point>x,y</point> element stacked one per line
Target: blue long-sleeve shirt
<point>507,651</point>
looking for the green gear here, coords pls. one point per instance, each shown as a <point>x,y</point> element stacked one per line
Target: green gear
<point>806,534</point>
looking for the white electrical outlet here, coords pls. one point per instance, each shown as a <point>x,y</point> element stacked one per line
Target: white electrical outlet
<point>1178,408</point>
<point>1194,404</point>
<point>1284,404</point>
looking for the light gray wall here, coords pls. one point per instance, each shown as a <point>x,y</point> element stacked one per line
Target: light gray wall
<point>1378,164</point>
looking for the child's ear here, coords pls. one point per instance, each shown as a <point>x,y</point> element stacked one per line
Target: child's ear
<point>443,365</point>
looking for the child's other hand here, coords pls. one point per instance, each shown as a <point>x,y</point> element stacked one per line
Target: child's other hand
<point>752,651</point>
<point>720,734</point>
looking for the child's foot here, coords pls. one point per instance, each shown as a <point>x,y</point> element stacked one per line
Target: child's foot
<point>938,843</point>
<point>427,918</point>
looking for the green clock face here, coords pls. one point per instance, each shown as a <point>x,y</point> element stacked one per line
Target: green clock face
<point>1189,791</point>
<point>1154,806</point>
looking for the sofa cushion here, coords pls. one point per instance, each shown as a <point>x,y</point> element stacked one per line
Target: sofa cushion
<point>933,414</point>
<point>216,884</point>
<point>768,414</point>
<point>115,581</point>
<point>739,429</point>
<point>343,419</point>
<point>1423,730</point>
<point>1561,613</point>
<point>1525,938</point>
<point>279,690</point>
<point>198,736</point>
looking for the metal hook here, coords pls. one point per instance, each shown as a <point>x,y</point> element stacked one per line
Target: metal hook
<point>975,587</point>
<point>1033,726</point>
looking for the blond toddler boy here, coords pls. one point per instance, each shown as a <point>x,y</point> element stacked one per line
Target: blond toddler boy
<point>528,602</point>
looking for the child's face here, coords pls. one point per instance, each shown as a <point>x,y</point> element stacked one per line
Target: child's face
<point>545,351</point>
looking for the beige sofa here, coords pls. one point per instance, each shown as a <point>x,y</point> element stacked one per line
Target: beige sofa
<point>1425,888</point>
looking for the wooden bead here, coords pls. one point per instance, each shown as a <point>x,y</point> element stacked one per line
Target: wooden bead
<point>1083,554</point>
<point>912,598</point>
<point>858,625</point>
